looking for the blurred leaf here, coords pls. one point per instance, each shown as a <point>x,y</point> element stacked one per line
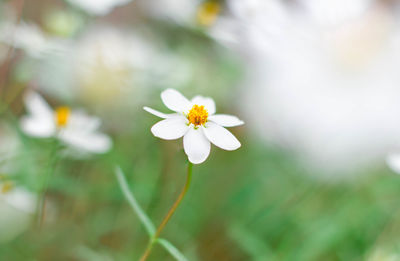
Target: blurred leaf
<point>133,202</point>
<point>251,243</point>
<point>172,250</point>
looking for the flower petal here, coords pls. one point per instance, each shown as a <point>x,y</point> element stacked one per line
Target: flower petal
<point>38,107</point>
<point>393,161</point>
<point>92,142</point>
<point>158,113</point>
<point>175,101</point>
<point>170,129</point>
<point>37,127</point>
<point>226,120</point>
<point>208,103</point>
<point>220,136</point>
<point>81,121</point>
<point>21,199</point>
<point>197,147</point>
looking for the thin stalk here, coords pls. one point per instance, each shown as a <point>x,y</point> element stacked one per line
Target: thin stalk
<point>164,222</point>
<point>45,183</point>
<point>5,67</point>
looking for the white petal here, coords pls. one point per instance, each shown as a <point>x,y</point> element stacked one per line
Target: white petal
<point>170,129</point>
<point>21,199</point>
<point>81,121</point>
<point>226,120</point>
<point>220,136</point>
<point>208,103</point>
<point>91,142</point>
<point>38,107</point>
<point>175,101</point>
<point>197,147</point>
<point>37,127</point>
<point>158,113</point>
<point>393,161</point>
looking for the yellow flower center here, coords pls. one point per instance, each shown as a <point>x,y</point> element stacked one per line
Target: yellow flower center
<point>208,13</point>
<point>198,115</point>
<point>7,187</point>
<point>62,116</point>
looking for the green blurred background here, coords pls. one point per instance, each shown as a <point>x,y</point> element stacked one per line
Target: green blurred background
<point>256,203</point>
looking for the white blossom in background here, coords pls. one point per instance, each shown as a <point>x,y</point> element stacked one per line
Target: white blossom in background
<point>17,206</point>
<point>105,62</point>
<point>106,65</point>
<point>29,38</point>
<point>322,77</point>
<point>393,161</point>
<point>17,197</point>
<point>190,13</point>
<point>98,7</point>
<point>179,11</point>
<point>335,12</point>
<point>76,129</point>
<point>197,123</point>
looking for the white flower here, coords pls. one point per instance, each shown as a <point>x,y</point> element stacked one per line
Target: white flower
<point>393,161</point>
<point>185,12</point>
<point>29,38</point>
<point>179,11</point>
<point>106,64</point>
<point>98,7</point>
<point>17,206</point>
<point>74,128</point>
<point>17,197</point>
<point>197,123</point>
<point>321,79</point>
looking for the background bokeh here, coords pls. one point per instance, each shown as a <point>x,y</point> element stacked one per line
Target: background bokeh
<point>316,82</point>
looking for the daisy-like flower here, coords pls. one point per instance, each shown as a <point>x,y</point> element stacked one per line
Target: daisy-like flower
<point>74,128</point>
<point>197,123</point>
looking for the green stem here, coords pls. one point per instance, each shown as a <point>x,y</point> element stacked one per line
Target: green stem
<point>164,222</point>
<point>45,183</point>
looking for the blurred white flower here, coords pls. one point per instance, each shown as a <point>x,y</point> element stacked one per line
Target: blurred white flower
<point>74,128</point>
<point>98,7</point>
<point>179,11</point>
<point>324,85</point>
<point>185,12</point>
<point>393,161</point>
<point>335,12</point>
<point>16,207</point>
<point>29,38</point>
<point>197,122</point>
<point>17,197</point>
<point>107,65</point>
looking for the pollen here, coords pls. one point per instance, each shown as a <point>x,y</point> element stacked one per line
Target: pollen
<point>197,115</point>
<point>62,116</point>
<point>7,187</point>
<point>208,13</point>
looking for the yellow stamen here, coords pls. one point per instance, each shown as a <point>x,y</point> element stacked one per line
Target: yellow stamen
<point>62,116</point>
<point>208,13</point>
<point>7,187</point>
<point>198,115</point>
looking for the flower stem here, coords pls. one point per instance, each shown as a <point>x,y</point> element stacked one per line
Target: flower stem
<point>45,183</point>
<point>5,67</point>
<point>164,222</point>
